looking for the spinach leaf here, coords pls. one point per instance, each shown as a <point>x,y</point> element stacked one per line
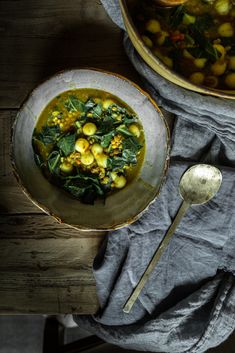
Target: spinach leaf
<point>39,160</point>
<point>97,111</point>
<point>106,139</point>
<point>129,119</point>
<point>116,163</point>
<point>177,16</point>
<point>73,104</point>
<point>204,22</point>
<point>108,125</point>
<point>124,131</point>
<point>54,162</point>
<point>89,104</point>
<point>48,134</point>
<point>204,43</point>
<point>84,187</point>
<point>129,156</point>
<point>66,144</point>
<point>132,144</point>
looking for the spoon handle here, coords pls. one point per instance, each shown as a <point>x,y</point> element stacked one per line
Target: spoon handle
<point>158,253</point>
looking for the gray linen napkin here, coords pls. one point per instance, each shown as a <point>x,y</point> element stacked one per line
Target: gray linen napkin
<point>188,304</point>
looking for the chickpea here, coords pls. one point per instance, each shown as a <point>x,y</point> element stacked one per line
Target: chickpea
<point>232,63</point>
<point>120,182</point>
<point>167,61</point>
<point>226,30</point>
<point>211,81</point>
<point>97,100</point>
<point>200,62</point>
<point>162,37</point>
<point>55,113</point>
<point>153,26</point>
<point>221,50</point>
<point>66,167</point>
<point>222,7</point>
<point>96,149</point>
<point>188,19</point>
<point>218,68</point>
<point>133,128</point>
<point>81,145</point>
<point>230,80</point>
<point>197,78</point>
<point>187,54</point>
<point>147,41</point>
<point>107,103</point>
<point>87,158</point>
<point>89,129</point>
<point>101,160</point>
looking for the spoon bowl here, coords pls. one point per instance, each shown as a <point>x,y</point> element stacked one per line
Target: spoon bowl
<point>200,183</point>
<point>197,186</point>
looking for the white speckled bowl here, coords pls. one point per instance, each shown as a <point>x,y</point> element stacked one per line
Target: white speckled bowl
<point>121,208</point>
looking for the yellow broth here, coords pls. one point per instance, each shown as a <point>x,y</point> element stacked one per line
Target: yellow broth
<point>196,39</point>
<point>89,142</point>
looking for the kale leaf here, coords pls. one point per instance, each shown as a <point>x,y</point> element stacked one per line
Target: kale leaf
<point>48,134</point>
<point>73,104</point>
<point>106,139</point>
<point>132,144</point>
<point>66,144</point>
<point>86,188</point>
<point>53,162</point>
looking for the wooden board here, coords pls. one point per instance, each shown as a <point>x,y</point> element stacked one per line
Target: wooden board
<point>46,267</point>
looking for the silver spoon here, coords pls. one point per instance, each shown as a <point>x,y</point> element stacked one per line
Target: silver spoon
<point>197,186</point>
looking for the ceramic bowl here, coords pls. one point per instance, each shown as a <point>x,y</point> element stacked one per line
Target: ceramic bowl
<point>157,65</point>
<point>120,208</point>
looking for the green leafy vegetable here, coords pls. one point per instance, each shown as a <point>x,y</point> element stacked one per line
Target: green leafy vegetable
<point>39,160</point>
<point>54,162</point>
<point>66,144</point>
<point>106,139</point>
<point>97,110</point>
<point>129,119</point>
<point>124,131</point>
<point>89,104</point>
<point>73,104</point>
<point>206,48</point>
<point>132,144</point>
<point>48,134</point>
<point>177,16</point>
<point>84,187</point>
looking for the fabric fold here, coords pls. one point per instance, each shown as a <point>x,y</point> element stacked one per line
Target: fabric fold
<point>188,303</point>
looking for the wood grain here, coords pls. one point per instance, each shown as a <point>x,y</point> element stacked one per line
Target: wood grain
<point>46,267</point>
<point>48,275</point>
<point>41,37</point>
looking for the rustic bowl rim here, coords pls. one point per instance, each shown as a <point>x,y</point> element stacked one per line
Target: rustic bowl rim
<point>45,209</point>
<point>181,81</point>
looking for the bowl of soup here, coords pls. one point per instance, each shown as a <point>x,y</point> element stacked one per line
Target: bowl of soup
<point>191,45</point>
<point>91,149</point>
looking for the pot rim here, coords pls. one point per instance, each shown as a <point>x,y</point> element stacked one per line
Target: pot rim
<point>175,78</point>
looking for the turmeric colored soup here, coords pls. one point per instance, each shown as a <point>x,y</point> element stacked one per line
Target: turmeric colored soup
<point>89,143</point>
<point>197,39</point>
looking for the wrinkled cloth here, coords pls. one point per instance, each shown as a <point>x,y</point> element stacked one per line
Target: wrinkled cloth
<point>188,303</point>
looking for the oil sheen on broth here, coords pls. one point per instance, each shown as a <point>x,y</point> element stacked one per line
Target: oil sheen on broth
<point>89,143</point>
<point>196,39</point>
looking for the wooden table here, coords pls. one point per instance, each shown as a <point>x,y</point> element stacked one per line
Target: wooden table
<point>46,267</point>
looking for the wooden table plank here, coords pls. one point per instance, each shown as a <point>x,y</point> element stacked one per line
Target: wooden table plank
<point>46,267</point>
<point>48,275</point>
<point>39,38</point>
